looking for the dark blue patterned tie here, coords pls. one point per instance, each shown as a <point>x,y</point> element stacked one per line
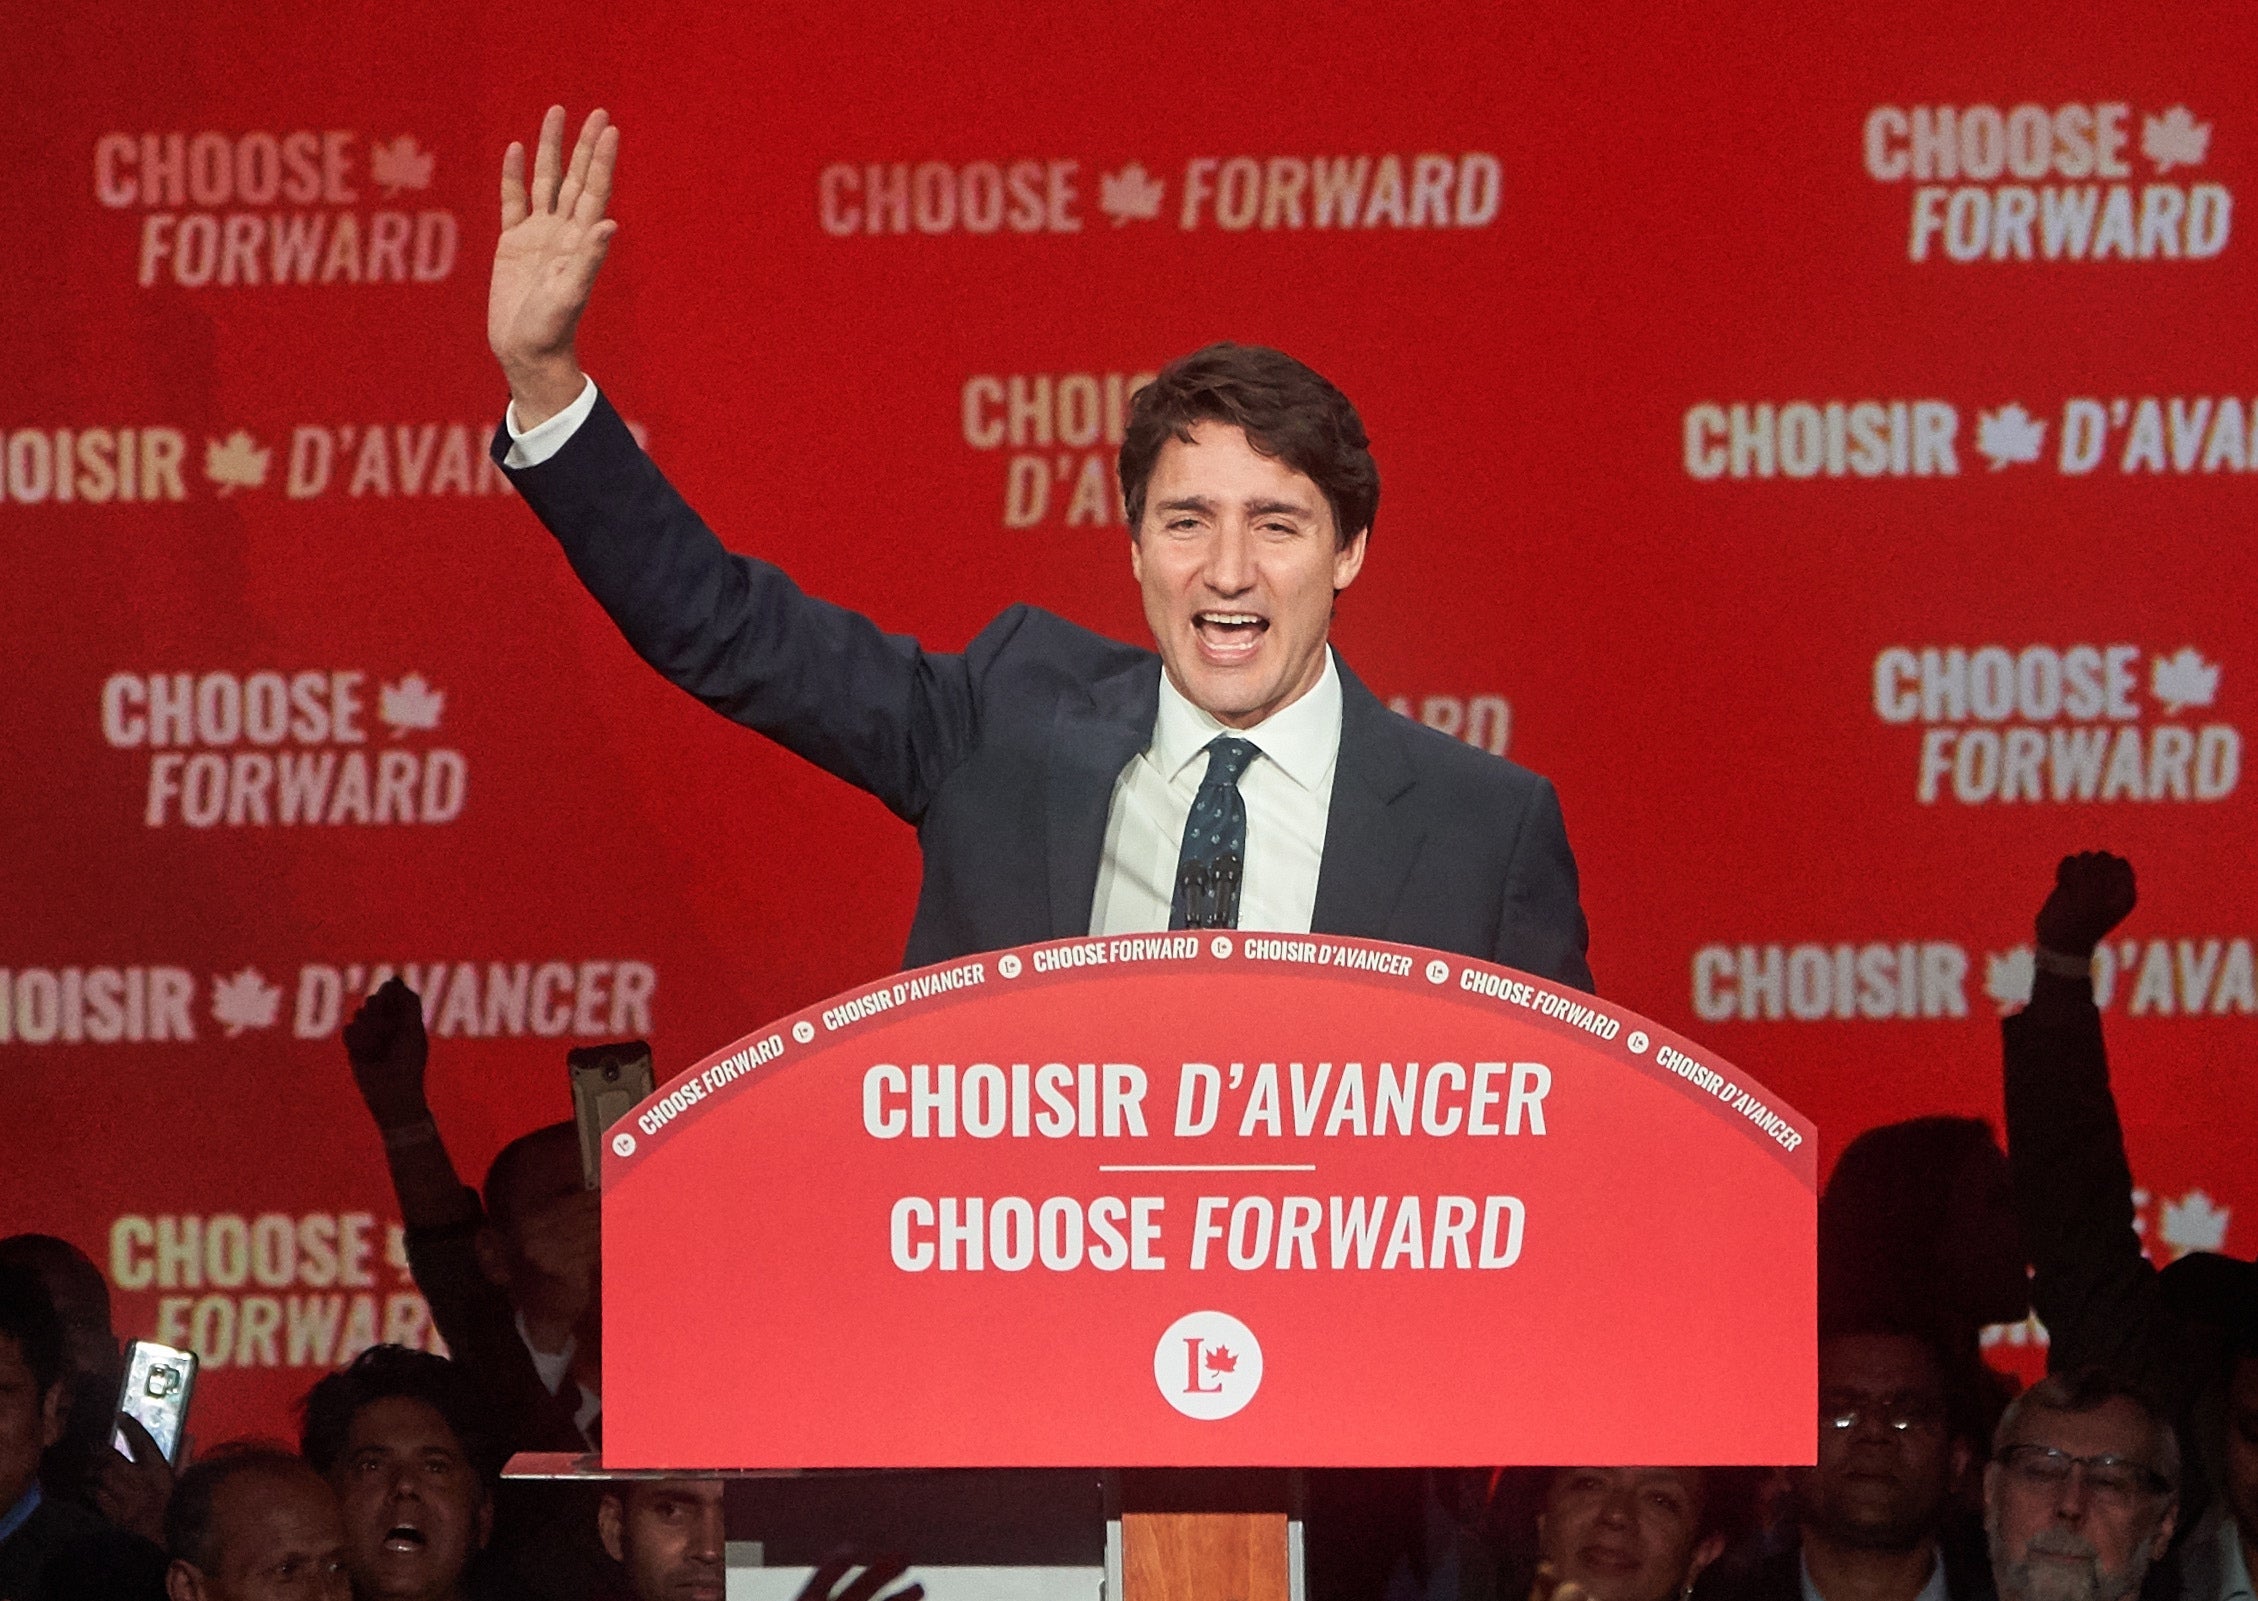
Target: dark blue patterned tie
<point>1213,860</point>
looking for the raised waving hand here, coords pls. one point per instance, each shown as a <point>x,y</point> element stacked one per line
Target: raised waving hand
<point>554,237</point>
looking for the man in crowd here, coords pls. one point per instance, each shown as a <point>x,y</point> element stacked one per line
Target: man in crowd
<point>33,1371</point>
<point>401,1437</point>
<point>512,1286</point>
<point>254,1523</point>
<point>2082,1492</point>
<point>2188,1334</point>
<point>83,1465</point>
<point>1870,1515</point>
<point>667,1537</point>
<point>81,1298</point>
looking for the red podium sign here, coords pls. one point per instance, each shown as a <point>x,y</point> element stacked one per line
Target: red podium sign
<point>1209,1200</point>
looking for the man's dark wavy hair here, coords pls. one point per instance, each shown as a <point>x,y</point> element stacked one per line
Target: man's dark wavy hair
<point>1287,411</point>
<point>382,1372</point>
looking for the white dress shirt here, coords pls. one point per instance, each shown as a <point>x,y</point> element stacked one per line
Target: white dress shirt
<point>554,1367</point>
<point>1933,1590</point>
<point>533,446</point>
<point>1288,789</point>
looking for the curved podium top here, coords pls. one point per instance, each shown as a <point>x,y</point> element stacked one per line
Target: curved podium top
<point>1211,1199</point>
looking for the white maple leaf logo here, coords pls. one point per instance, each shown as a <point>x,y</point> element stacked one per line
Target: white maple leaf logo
<point>2183,679</point>
<point>2007,977</point>
<point>1130,195</point>
<point>236,462</point>
<point>410,704</point>
<point>2195,1223</point>
<point>400,165</point>
<point>245,1001</point>
<point>2009,435</point>
<point>2175,139</point>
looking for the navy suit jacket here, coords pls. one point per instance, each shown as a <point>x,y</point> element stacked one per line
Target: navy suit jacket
<point>1005,757</point>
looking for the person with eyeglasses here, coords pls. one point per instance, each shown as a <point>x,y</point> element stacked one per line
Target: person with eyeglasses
<point>2186,1331</point>
<point>1870,1515</point>
<point>2082,1492</point>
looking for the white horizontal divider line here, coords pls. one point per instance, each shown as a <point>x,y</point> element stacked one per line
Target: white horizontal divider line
<point>1207,1167</point>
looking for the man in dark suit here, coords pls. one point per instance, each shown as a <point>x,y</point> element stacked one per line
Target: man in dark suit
<point>1055,776</point>
<point>34,1529</point>
<point>1875,1515</point>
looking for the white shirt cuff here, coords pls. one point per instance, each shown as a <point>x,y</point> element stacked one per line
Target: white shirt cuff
<point>531,447</point>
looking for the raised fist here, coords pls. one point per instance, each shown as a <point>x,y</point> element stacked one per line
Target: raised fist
<point>2093,892</point>
<point>386,1045</point>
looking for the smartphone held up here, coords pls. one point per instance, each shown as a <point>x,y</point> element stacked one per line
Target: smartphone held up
<point>608,1081</point>
<point>158,1383</point>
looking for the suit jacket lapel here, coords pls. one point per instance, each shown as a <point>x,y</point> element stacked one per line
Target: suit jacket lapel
<point>1370,841</point>
<point>1091,743</point>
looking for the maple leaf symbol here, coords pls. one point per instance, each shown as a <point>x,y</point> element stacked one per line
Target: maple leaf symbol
<point>2007,977</point>
<point>2009,435</point>
<point>411,703</point>
<point>2175,139</point>
<point>245,1001</point>
<point>1130,195</point>
<point>2195,1223</point>
<point>400,165</point>
<point>1219,1360</point>
<point>2183,679</point>
<point>236,462</point>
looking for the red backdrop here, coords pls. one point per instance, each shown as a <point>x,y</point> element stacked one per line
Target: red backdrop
<point>1823,445</point>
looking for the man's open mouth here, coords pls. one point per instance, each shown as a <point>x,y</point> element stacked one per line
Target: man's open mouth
<point>1229,633</point>
<point>404,1537</point>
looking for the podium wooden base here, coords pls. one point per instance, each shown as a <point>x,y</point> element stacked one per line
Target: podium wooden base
<point>1204,1556</point>
<point>1209,1535</point>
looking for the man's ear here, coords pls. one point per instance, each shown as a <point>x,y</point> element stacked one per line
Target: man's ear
<point>493,1256</point>
<point>611,1522</point>
<point>54,1412</point>
<point>183,1582</point>
<point>1711,1548</point>
<point>1348,560</point>
<point>2164,1527</point>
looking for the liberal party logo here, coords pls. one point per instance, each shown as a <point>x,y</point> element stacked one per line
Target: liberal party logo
<point>1208,1365</point>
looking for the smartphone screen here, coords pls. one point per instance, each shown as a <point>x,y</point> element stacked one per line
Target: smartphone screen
<point>158,1383</point>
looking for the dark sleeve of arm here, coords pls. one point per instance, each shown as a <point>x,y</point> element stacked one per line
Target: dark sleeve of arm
<point>873,708</point>
<point>476,1320</point>
<point>1541,929</point>
<point>2091,1287</point>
